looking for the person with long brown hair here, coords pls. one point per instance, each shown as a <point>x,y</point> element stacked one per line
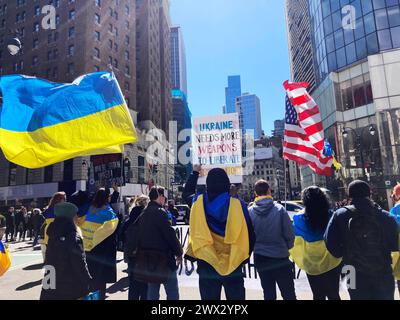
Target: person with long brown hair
<point>99,239</point>
<point>48,214</point>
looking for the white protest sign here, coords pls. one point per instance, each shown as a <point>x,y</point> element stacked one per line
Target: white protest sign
<point>217,143</point>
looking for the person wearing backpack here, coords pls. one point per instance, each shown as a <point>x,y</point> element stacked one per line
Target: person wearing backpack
<point>274,238</point>
<point>365,236</point>
<point>137,289</point>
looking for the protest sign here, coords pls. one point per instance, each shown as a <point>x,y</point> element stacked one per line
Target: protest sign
<point>217,144</point>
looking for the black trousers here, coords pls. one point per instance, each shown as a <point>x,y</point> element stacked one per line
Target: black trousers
<point>137,289</point>
<point>211,283</point>
<point>274,271</point>
<point>10,231</point>
<point>326,285</point>
<point>373,288</point>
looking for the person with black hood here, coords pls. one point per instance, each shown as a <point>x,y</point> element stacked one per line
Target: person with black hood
<point>221,236</point>
<point>274,238</point>
<point>365,236</point>
<point>66,255</point>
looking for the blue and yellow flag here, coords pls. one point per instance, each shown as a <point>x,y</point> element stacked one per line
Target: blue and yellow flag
<point>225,251</point>
<point>309,251</point>
<point>97,225</point>
<point>42,123</point>
<point>5,260</point>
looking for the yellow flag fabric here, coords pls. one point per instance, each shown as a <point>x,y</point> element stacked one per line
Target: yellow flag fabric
<point>313,257</point>
<point>224,254</point>
<point>97,225</point>
<point>5,259</point>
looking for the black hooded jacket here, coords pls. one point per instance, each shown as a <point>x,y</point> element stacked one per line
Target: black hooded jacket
<point>65,253</point>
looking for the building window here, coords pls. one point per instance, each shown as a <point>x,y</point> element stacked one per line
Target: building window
<point>98,3</point>
<point>96,53</point>
<point>71,68</point>
<point>36,27</point>
<point>71,32</point>
<point>12,174</point>
<point>97,18</point>
<point>71,50</point>
<point>48,174</point>
<point>97,35</point>
<point>72,14</point>
<point>68,170</point>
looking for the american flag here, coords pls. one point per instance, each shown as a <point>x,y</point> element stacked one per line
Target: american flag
<point>304,133</point>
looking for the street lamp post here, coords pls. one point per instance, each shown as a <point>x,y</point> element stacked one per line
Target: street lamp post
<point>359,143</point>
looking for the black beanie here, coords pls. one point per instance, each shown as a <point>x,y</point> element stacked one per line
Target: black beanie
<point>359,189</point>
<point>217,182</point>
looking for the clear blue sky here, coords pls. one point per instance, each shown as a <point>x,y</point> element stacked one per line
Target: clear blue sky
<point>230,37</point>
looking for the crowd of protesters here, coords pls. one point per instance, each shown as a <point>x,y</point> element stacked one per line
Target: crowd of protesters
<point>81,235</point>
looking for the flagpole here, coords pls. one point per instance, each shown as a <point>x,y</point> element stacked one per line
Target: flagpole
<point>284,164</point>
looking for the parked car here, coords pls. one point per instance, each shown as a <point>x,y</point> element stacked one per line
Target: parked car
<point>293,208</point>
<point>184,213</point>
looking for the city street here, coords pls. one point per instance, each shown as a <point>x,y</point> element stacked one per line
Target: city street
<point>23,280</point>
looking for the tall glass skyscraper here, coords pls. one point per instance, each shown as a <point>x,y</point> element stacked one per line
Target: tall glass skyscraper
<point>233,91</point>
<point>376,28</point>
<point>248,108</point>
<point>356,61</point>
<point>178,61</point>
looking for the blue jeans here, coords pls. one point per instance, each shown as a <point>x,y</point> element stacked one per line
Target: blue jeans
<point>171,288</point>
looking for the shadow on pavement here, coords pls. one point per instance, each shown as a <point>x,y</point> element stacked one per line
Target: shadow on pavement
<point>34,267</point>
<point>121,286</point>
<point>29,285</point>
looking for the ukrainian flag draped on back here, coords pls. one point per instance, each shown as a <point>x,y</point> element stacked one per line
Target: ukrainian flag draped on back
<point>5,260</point>
<point>309,251</point>
<point>42,123</point>
<point>225,251</point>
<point>97,225</point>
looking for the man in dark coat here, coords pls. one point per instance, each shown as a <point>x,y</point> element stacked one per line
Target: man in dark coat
<point>155,233</point>
<point>66,255</point>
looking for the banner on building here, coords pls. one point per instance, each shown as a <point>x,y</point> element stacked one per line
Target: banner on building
<point>217,143</point>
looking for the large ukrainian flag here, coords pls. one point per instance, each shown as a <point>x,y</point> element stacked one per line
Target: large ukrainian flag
<point>42,123</point>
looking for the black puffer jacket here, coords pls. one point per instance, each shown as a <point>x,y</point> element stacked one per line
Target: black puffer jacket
<point>65,253</point>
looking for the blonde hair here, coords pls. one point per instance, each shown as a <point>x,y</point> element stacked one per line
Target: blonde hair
<point>142,201</point>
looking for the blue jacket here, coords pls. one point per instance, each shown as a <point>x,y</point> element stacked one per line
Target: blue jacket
<point>273,229</point>
<point>337,231</point>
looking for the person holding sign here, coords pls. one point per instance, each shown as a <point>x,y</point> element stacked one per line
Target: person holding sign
<point>221,236</point>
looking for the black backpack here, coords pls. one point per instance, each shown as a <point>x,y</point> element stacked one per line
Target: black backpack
<point>365,246</point>
<point>131,239</point>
